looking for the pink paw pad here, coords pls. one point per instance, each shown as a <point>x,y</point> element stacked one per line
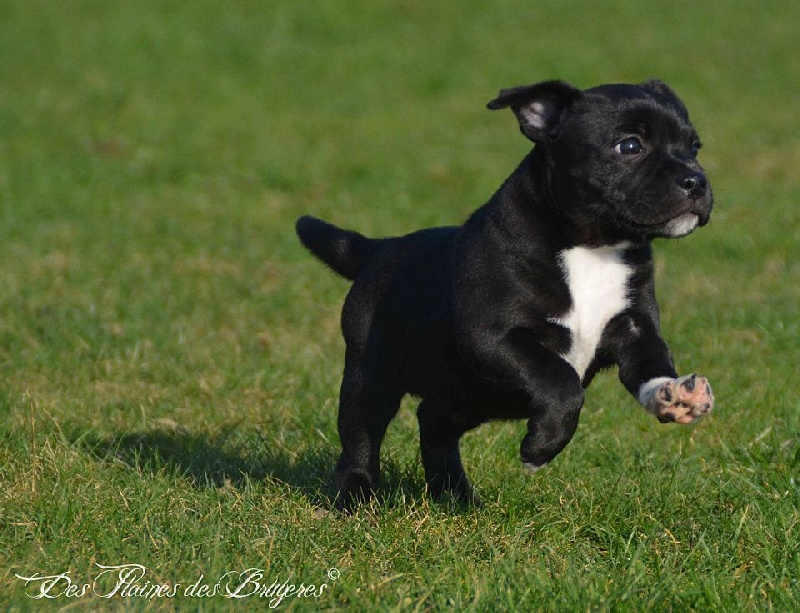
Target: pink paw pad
<point>681,400</point>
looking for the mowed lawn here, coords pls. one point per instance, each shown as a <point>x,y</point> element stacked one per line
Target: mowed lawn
<point>170,356</point>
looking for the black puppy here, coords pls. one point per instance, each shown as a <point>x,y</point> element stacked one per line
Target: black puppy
<point>511,315</point>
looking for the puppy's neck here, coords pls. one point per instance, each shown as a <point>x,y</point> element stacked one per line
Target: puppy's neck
<point>529,205</point>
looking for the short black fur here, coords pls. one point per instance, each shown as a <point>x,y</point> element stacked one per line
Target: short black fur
<point>470,318</point>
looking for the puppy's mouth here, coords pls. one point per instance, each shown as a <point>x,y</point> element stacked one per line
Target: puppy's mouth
<point>669,218</point>
<point>679,226</point>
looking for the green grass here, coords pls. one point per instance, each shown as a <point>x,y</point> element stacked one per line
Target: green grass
<point>170,356</point>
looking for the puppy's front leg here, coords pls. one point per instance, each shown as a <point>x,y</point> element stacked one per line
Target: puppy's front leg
<point>439,434</point>
<point>682,400</point>
<point>646,370</point>
<point>551,390</point>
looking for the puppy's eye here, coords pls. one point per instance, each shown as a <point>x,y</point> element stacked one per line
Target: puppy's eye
<point>629,146</point>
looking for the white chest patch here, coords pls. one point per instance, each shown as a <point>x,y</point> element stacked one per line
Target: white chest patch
<point>598,283</point>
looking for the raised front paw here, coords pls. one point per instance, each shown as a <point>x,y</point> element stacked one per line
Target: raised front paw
<point>681,400</point>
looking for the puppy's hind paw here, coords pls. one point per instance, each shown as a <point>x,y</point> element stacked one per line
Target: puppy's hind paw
<point>682,400</point>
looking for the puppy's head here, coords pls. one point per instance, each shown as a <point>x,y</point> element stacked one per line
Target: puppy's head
<point>620,160</point>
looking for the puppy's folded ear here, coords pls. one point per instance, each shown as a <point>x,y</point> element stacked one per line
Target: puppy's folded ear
<point>539,108</point>
<point>659,86</point>
<point>665,90</point>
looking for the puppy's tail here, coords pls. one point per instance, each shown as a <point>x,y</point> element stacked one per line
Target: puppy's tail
<point>344,251</point>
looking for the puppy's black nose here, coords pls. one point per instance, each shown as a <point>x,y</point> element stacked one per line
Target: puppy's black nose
<point>694,184</point>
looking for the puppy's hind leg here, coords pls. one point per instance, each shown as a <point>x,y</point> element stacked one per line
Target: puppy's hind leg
<point>439,435</point>
<point>366,406</point>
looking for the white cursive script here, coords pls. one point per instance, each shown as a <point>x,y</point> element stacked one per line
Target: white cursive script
<point>130,581</point>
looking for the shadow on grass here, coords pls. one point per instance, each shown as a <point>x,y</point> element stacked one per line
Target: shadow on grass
<point>234,456</point>
<point>229,457</point>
